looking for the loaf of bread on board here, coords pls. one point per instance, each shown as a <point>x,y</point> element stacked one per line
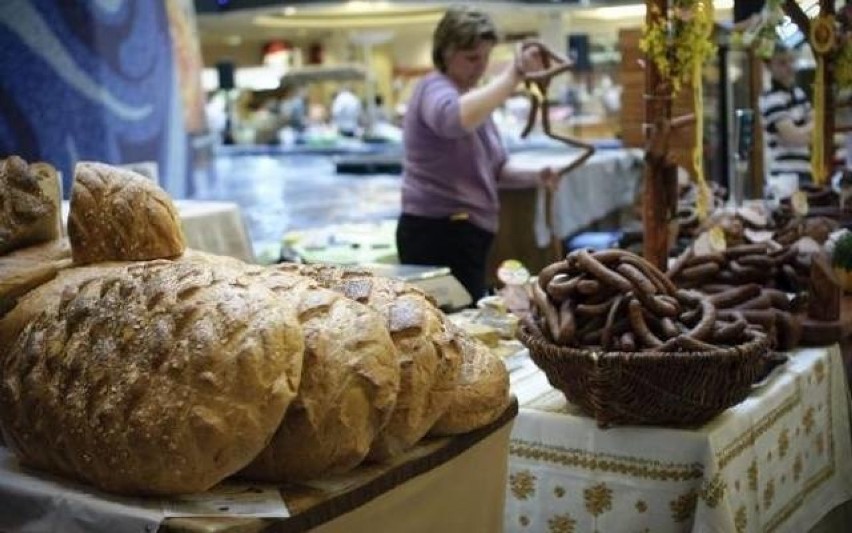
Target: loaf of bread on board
<point>23,270</point>
<point>348,390</point>
<point>30,204</point>
<point>161,378</point>
<point>429,355</point>
<point>47,296</point>
<point>482,393</point>
<point>119,215</point>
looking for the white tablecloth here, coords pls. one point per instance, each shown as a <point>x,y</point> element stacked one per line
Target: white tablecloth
<point>606,182</point>
<point>213,227</point>
<point>779,461</point>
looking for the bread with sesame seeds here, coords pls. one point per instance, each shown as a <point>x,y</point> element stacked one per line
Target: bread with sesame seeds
<point>348,390</point>
<point>119,215</point>
<point>29,204</point>
<point>429,354</point>
<point>159,378</point>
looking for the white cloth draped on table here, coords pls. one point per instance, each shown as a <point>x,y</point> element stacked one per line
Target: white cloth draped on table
<point>607,182</point>
<point>778,461</point>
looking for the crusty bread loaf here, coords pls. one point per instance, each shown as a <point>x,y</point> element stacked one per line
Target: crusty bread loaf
<point>482,393</point>
<point>199,256</point>
<point>162,378</point>
<point>46,296</point>
<point>349,384</point>
<point>29,204</point>
<point>23,270</point>
<point>429,355</point>
<point>118,215</point>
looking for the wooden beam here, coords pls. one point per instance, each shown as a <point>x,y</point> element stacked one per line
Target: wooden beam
<point>659,177</point>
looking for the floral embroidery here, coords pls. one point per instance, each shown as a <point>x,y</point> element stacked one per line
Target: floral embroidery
<point>752,476</point>
<point>741,519</point>
<point>819,371</point>
<point>684,506</point>
<point>641,506</point>
<point>598,499</point>
<point>562,523</point>
<point>820,444</point>
<point>808,420</point>
<point>523,484</point>
<point>558,491</point>
<point>783,442</point>
<point>768,493</point>
<point>524,520</point>
<point>797,467</point>
<point>713,491</point>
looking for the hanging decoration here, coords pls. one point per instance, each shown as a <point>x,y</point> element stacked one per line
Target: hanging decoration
<point>759,31</point>
<point>679,44</point>
<point>822,39</point>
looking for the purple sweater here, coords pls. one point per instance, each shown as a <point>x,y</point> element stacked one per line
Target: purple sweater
<point>448,170</point>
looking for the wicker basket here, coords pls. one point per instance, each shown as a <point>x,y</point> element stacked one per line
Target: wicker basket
<point>656,388</point>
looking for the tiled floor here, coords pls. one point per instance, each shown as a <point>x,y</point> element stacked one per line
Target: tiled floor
<point>282,193</point>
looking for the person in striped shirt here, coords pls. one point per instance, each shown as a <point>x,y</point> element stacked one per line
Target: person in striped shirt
<point>787,118</point>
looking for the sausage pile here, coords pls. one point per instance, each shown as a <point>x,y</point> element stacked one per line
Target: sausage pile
<point>770,309</point>
<point>766,264</point>
<point>614,300</point>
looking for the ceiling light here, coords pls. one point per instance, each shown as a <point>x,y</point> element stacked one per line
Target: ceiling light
<point>289,10</point>
<point>233,40</point>
<point>637,10</point>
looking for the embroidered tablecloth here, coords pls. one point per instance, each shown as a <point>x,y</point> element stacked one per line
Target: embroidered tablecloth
<point>778,461</point>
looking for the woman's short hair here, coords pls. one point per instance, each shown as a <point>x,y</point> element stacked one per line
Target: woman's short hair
<point>461,28</point>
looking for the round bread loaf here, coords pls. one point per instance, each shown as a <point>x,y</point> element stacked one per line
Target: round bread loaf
<point>429,355</point>
<point>349,385</point>
<point>119,215</point>
<point>23,270</point>
<point>159,378</point>
<point>47,296</point>
<point>29,204</point>
<point>482,393</point>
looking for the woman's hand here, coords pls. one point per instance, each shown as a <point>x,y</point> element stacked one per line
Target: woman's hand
<point>527,59</point>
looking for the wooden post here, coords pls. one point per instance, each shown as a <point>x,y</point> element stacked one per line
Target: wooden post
<point>756,87</point>
<point>658,179</point>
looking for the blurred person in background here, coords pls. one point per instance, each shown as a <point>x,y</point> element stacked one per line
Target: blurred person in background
<point>454,157</point>
<point>787,118</point>
<point>346,112</point>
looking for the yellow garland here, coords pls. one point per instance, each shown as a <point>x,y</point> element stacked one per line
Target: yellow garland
<point>691,45</point>
<point>704,20</point>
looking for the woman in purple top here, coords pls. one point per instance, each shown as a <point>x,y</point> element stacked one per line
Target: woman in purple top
<point>454,158</point>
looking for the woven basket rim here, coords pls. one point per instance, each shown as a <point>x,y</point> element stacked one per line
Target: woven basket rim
<point>757,343</point>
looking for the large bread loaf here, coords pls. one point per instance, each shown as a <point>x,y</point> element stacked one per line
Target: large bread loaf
<point>429,355</point>
<point>29,204</point>
<point>47,296</point>
<point>118,215</point>
<point>23,270</point>
<point>160,378</point>
<point>349,384</point>
<point>482,393</point>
